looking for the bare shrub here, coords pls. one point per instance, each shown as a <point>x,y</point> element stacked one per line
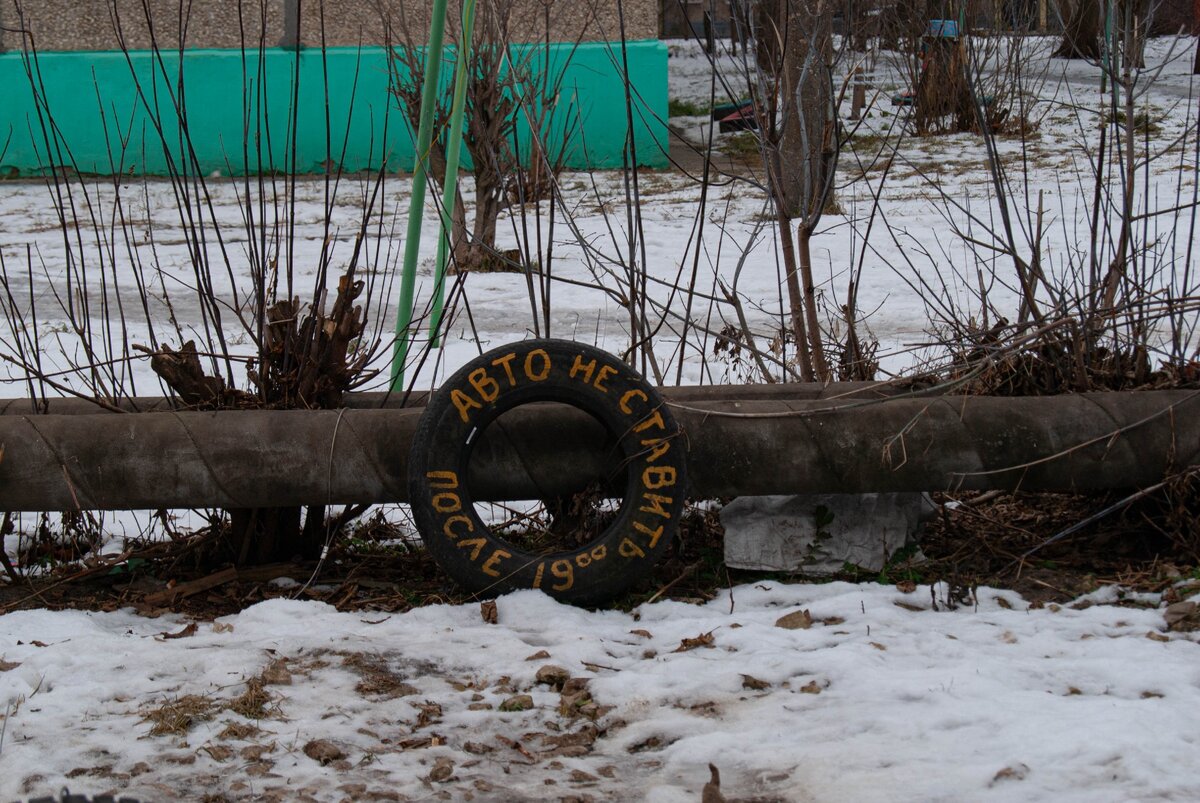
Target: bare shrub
<point>274,331</point>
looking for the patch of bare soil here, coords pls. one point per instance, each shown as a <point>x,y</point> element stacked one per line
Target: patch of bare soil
<point>1058,546</point>
<point>1031,543</point>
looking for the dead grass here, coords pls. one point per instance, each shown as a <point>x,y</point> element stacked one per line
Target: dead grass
<point>377,679</point>
<point>177,716</point>
<point>239,731</point>
<point>255,702</point>
<point>742,146</point>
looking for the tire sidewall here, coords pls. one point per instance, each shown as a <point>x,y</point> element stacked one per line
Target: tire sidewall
<point>582,376</point>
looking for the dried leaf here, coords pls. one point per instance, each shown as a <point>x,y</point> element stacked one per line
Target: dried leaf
<point>219,752</point>
<point>540,655</point>
<point>575,685</point>
<point>751,682</point>
<point>6,666</point>
<point>222,627</point>
<point>1153,636</point>
<point>569,745</point>
<point>1182,616</point>
<point>443,770</point>
<point>323,751</point>
<point>187,632</point>
<point>908,606</point>
<point>518,702</point>
<point>703,640</point>
<point>255,752</point>
<point>711,793</point>
<point>477,748</point>
<point>812,687</point>
<point>488,611</point>
<point>906,586</point>
<point>551,675</point>
<point>277,674</point>
<point>796,620</point>
<point>420,742</point>
<point>642,633</point>
<point>428,713</point>
<point>260,769</point>
<point>515,745</point>
<point>877,646</point>
<point>1015,773</point>
<point>651,743</point>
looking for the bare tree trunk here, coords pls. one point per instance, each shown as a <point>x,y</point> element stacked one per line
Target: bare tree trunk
<point>820,364</point>
<point>481,251</point>
<point>1118,269</point>
<point>1196,30</point>
<point>795,298</point>
<point>803,187</point>
<point>794,49</point>
<point>1134,21</point>
<point>860,26</point>
<point>1083,25</point>
<point>805,104</point>
<point>1084,32</point>
<point>499,76</point>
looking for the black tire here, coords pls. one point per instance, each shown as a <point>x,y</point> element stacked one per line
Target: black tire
<point>643,431</point>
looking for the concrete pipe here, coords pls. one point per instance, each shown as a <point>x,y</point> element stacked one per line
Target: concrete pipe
<point>736,447</point>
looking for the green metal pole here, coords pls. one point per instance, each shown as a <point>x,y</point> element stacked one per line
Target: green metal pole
<point>453,146</point>
<point>412,244</point>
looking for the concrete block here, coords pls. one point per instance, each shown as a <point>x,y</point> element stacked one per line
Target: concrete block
<point>820,533</point>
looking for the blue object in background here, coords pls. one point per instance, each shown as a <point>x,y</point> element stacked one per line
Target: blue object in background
<point>944,28</point>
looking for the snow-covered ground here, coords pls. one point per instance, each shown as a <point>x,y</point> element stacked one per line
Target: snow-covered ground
<point>881,698</point>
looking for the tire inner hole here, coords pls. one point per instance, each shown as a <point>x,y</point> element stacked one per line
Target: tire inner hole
<point>563,518</point>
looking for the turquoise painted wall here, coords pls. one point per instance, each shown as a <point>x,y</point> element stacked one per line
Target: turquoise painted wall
<point>102,124</point>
